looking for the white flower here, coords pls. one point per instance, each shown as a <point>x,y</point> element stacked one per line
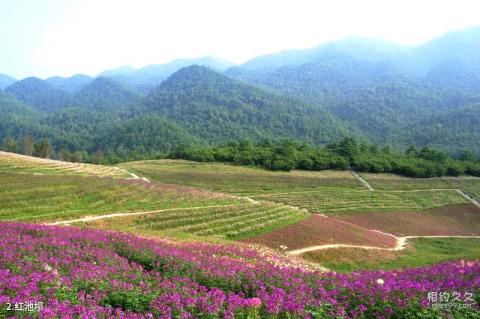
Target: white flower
<point>283,247</point>
<point>380,281</point>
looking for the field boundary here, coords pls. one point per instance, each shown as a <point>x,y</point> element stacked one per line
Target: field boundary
<point>363,181</point>
<point>467,197</point>
<point>113,215</point>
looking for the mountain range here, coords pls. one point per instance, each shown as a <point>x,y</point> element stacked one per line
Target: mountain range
<point>385,93</point>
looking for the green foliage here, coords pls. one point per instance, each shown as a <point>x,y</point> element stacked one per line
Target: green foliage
<point>65,196</point>
<point>109,96</point>
<point>39,94</point>
<point>347,153</point>
<point>219,109</point>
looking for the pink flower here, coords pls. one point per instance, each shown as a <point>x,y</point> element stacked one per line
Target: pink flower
<point>252,302</point>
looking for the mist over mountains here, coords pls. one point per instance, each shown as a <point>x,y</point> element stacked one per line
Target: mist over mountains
<point>374,90</point>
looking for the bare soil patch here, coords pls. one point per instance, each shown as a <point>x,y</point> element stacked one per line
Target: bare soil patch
<point>462,219</point>
<point>319,230</point>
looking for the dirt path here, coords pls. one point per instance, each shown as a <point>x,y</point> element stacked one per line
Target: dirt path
<point>134,176</point>
<point>92,218</point>
<point>361,180</point>
<point>400,244</point>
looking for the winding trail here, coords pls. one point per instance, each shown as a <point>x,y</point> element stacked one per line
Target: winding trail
<point>134,176</point>
<point>399,245</point>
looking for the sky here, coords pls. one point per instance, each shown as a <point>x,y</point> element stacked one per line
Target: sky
<point>65,37</point>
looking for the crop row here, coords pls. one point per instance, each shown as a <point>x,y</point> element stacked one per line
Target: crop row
<point>468,184</point>
<point>55,197</point>
<point>239,180</point>
<point>338,201</point>
<point>10,162</point>
<point>233,221</point>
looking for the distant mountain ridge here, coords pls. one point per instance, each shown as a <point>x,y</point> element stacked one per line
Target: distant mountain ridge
<point>382,92</point>
<point>40,94</point>
<point>70,84</point>
<point>6,81</point>
<point>149,76</point>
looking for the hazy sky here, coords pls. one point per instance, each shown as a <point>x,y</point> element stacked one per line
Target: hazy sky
<point>64,37</point>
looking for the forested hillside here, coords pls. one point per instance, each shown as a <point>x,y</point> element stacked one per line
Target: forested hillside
<point>146,78</point>
<point>71,84</point>
<point>108,96</point>
<point>219,109</point>
<point>39,94</point>
<point>195,106</point>
<point>391,93</point>
<point>378,92</point>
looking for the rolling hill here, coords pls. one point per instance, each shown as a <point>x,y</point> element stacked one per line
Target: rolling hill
<point>71,84</point>
<point>146,78</point>
<point>106,95</point>
<point>217,108</point>
<point>39,94</point>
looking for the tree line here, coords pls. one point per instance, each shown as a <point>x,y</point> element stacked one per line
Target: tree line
<point>347,153</point>
<point>284,155</point>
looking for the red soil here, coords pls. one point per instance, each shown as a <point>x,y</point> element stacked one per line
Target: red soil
<point>459,220</point>
<point>319,230</point>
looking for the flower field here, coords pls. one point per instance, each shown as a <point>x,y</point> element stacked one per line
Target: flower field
<point>340,201</point>
<point>97,274</point>
<point>10,162</point>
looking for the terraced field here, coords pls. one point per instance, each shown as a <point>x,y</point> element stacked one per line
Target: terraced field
<point>10,162</point>
<point>232,222</point>
<point>34,198</point>
<point>199,201</point>
<point>469,184</point>
<point>239,180</point>
<point>344,201</point>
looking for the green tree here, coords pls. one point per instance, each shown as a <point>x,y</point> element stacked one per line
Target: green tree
<point>10,145</point>
<point>26,145</point>
<point>43,149</point>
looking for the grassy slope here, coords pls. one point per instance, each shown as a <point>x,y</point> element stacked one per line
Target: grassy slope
<point>238,179</point>
<point>229,222</point>
<point>420,252</point>
<point>38,190</point>
<point>336,201</point>
<point>10,162</point>
<point>35,198</point>
<point>468,184</point>
<point>61,195</point>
